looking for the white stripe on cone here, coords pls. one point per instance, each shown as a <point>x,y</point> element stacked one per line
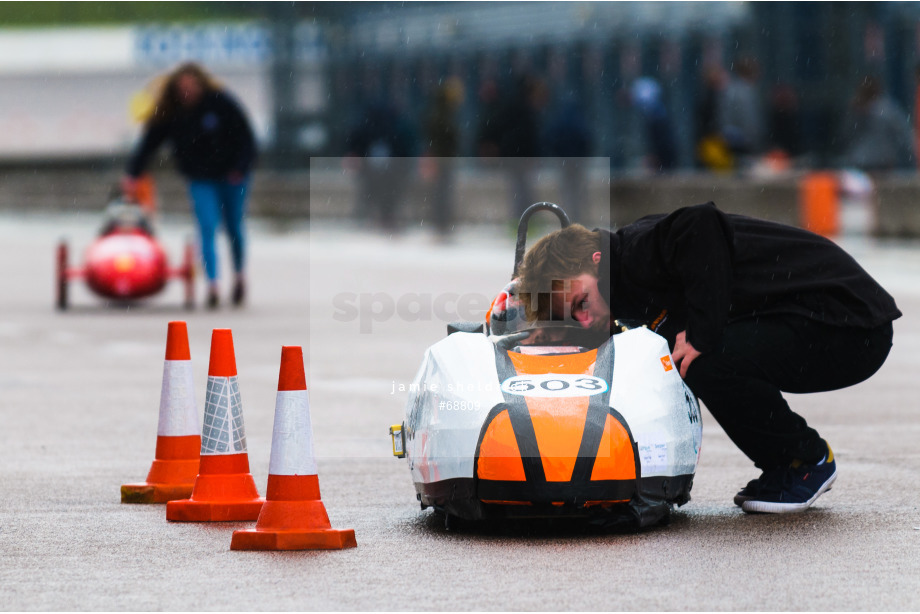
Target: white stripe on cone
<point>178,412</point>
<point>292,435</point>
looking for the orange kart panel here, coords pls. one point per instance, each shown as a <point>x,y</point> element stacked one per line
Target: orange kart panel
<point>612,461</point>
<point>558,424</point>
<point>534,364</point>
<point>499,457</point>
<point>571,445</point>
<point>591,473</point>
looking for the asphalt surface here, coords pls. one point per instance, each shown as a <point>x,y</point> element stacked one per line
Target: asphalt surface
<point>79,396</point>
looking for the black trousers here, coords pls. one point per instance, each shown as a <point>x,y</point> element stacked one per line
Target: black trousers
<point>761,357</point>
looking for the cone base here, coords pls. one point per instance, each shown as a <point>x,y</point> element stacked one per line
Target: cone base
<point>173,471</point>
<point>155,493</point>
<point>188,510</point>
<point>323,539</point>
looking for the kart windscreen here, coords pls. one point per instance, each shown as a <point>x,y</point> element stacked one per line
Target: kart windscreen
<point>552,338</point>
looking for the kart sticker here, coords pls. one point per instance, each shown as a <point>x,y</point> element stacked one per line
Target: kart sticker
<point>554,385</point>
<point>653,452</point>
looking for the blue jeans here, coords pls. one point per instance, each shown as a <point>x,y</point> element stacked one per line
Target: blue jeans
<point>214,201</point>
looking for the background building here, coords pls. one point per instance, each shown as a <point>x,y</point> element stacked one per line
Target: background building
<point>307,71</point>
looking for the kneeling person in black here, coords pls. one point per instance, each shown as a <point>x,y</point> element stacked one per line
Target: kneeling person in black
<point>750,308</point>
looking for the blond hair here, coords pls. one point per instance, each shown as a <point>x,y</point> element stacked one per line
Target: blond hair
<point>168,99</point>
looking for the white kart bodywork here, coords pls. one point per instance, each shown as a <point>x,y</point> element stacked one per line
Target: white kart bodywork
<point>459,383</point>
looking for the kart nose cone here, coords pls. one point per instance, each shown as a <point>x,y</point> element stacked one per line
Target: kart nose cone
<point>126,266</point>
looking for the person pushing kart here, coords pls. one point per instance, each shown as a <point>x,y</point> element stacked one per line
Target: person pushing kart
<point>750,309</point>
<point>215,150</point>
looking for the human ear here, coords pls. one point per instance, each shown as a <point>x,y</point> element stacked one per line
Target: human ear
<point>596,257</point>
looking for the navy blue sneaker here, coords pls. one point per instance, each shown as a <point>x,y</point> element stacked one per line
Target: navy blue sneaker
<point>793,488</point>
<point>748,492</point>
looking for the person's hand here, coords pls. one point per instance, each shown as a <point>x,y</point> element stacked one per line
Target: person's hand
<point>128,186</point>
<point>684,353</point>
<point>235,178</point>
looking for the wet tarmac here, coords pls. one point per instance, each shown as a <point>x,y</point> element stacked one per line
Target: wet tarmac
<point>79,396</point>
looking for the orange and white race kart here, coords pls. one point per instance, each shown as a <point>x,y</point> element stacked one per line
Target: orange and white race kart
<point>609,433</point>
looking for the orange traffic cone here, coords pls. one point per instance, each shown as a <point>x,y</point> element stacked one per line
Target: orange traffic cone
<point>224,488</point>
<point>175,464</point>
<point>293,517</point>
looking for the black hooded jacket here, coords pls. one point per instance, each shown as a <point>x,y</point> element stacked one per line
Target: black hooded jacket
<point>698,269</point>
<point>210,140</point>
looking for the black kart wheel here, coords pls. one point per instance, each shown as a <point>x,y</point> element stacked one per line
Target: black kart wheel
<point>61,286</point>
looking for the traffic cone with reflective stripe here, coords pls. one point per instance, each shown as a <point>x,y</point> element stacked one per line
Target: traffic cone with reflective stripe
<point>224,488</point>
<point>293,517</point>
<point>175,465</point>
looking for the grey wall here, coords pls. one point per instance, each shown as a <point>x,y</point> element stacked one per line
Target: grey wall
<point>483,196</point>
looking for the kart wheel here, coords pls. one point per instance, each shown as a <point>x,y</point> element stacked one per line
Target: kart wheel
<point>61,280</point>
<point>188,275</point>
<point>452,523</point>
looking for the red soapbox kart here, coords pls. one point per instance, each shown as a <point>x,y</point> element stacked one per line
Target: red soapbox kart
<point>125,262</point>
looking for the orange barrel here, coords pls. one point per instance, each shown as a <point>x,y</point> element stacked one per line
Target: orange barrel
<point>819,203</point>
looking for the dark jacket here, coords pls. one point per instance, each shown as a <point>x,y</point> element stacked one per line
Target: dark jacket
<point>698,269</point>
<point>210,140</point>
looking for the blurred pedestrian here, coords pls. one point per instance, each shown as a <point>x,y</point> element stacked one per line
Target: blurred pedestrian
<point>488,135</point>
<point>877,134</point>
<point>214,149</point>
<point>785,125</point>
<point>712,150</point>
<point>380,146</point>
<point>520,138</point>
<point>916,109</point>
<point>741,117</point>
<point>568,137</point>
<point>443,135</point>
<point>661,149</point>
